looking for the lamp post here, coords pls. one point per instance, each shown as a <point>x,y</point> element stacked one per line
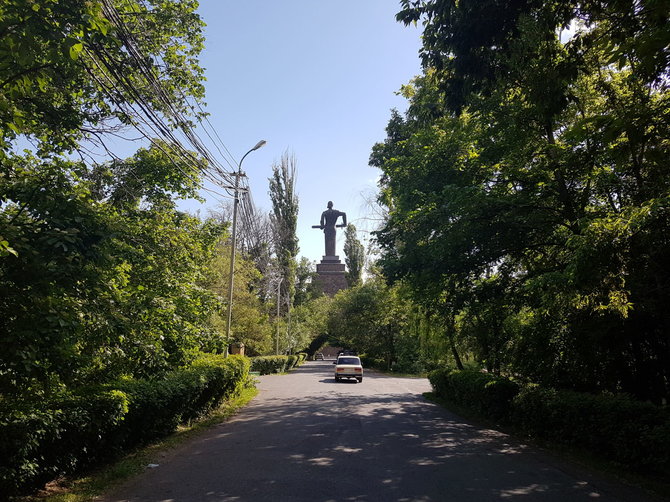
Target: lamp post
<point>238,175</point>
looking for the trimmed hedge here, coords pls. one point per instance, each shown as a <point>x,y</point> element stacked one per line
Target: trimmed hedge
<point>267,365</point>
<point>487,394</point>
<point>618,428</point>
<point>41,441</point>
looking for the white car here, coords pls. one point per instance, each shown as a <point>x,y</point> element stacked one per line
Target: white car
<point>348,367</point>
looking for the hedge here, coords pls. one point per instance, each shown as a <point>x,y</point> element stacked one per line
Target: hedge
<point>487,394</point>
<point>266,365</point>
<point>615,427</point>
<point>41,441</point>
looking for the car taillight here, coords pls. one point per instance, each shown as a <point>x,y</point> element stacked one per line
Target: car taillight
<point>339,369</point>
<point>358,370</point>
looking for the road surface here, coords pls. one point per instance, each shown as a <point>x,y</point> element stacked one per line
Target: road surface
<point>307,438</point>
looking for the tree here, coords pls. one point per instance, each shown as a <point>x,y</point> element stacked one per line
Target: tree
<point>69,69</point>
<point>250,317</point>
<point>107,277</point>
<point>306,287</point>
<point>284,218</point>
<point>100,274</point>
<point>310,322</point>
<point>369,319</point>
<point>530,168</point>
<point>354,256</point>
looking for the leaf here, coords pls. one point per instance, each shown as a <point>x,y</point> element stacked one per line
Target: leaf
<point>75,50</point>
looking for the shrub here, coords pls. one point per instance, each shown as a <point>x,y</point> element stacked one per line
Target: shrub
<point>291,362</point>
<point>487,394</point>
<point>40,441</point>
<point>267,365</point>
<point>373,362</point>
<point>157,407</point>
<point>615,426</point>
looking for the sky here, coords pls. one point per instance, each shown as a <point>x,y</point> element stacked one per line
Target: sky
<point>316,79</point>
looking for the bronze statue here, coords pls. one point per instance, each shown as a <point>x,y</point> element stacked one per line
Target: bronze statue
<point>329,224</point>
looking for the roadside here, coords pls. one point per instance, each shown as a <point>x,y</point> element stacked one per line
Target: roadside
<point>86,488</point>
<point>656,485</point>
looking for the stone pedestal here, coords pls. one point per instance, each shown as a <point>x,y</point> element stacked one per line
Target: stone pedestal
<point>330,274</point>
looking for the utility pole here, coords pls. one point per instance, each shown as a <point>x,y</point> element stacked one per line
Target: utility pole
<point>277,318</point>
<point>238,175</point>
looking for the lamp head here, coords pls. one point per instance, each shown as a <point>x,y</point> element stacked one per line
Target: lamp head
<point>258,145</point>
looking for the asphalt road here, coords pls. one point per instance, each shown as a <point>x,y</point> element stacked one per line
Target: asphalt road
<point>307,438</point>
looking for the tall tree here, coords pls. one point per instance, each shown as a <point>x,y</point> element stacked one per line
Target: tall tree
<point>284,218</point>
<point>100,275</point>
<point>530,168</point>
<point>354,253</point>
<point>306,287</point>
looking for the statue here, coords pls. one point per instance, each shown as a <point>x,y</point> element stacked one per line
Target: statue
<point>329,224</point>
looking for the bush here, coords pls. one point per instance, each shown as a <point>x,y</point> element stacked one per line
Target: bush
<point>41,441</point>
<point>291,362</point>
<point>617,427</point>
<point>157,407</point>
<point>486,394</point>
<point>373,362</point>
<point>267,365</point>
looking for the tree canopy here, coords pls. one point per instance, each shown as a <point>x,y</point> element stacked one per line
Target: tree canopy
<point>100,274</point>
<point>526,187</point>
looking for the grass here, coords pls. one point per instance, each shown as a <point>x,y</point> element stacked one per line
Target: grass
<point>93,484</point>
<point>655,484</point>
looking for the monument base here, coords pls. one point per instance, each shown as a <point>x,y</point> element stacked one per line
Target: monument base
<point>331,275</point>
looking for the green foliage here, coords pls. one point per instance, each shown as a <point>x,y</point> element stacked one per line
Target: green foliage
<point>368,319</point>
<point>267,365</point>
<point>43,440</point>
<point>306,287</point>
<point>285,220</point>
<point>250,320</point>
<point>614,427</point>
<point>99,285</point>
<point>487,394</point>
<point>55,58</point>
<point>156,407</point>
<point>309,321</point>
<point>354,253</point>
<point>100,276</point>
<point>386,327</point>
<point>526,191</point>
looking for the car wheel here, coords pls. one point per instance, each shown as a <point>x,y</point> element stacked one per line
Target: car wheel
<point>337,379</point>
<point>360,379</point>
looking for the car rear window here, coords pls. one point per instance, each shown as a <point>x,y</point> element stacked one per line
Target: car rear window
<point>348,360</point>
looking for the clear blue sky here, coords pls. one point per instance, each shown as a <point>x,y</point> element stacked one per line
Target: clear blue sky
<point>315,78</point>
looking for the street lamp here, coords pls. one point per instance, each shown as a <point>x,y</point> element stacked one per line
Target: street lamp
<point>238,175</point>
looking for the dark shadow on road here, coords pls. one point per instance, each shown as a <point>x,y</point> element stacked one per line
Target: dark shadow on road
<point>333,447</point>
